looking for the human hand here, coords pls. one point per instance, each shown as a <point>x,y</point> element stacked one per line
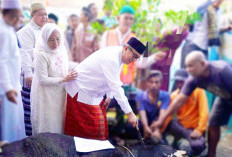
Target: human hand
<point>28,81</point>
<point>11,96</point>
<point>132,119</point>
<point>160,56</point>
<point>71,76</point>
<point>195,134</point>
<point>156,125</point>
<point>229,28</point>
<point>107,102</point>
<point>147,132</point>
<point>157,134</point>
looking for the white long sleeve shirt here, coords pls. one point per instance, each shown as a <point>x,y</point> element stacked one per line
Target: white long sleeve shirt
<point>145,62</point>
<point>27,38</point>
<point>10,61</point>
<point>199,36</point>
<point>100,74</point>
<point>12,119</point>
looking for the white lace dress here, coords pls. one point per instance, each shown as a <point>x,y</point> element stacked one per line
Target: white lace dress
<point>48,94</point>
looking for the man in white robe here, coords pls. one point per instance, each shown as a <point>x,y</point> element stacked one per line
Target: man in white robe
<point>11,112</point>
<point>99,74</point>
<point>27,37</point>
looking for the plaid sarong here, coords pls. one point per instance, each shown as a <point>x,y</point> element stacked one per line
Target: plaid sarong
<point>27,109</point>
<point>83,120</point>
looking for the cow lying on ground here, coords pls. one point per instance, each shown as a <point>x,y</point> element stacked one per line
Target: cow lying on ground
<point>59,145</point>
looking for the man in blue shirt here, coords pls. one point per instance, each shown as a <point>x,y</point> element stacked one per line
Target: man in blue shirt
<point>152,103</point>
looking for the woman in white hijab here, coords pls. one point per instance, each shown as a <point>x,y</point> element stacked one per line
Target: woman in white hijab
<point>48,94</point>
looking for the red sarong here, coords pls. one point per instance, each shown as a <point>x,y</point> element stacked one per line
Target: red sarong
<point>87,121</point>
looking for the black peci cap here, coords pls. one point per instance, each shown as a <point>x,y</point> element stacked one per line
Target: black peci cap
<point>137,45</point>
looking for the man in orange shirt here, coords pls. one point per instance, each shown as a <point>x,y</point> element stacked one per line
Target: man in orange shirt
<point>192,117</point>
<point>120,36</point>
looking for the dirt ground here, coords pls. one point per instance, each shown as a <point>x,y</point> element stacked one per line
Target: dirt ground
<point>224,148</point>
<point>225,145</point>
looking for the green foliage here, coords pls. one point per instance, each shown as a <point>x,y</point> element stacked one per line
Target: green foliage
<point>97,28</point>
<point>181,17</point>
<point>146,22</point>
<point>108,5</point>
<point>192,18</point>
<point>147,18</point>
<point>143,26</point>
<point>117,5</point>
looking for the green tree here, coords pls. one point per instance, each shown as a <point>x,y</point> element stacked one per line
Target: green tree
<point>147,17</point>
<point>144,25</point>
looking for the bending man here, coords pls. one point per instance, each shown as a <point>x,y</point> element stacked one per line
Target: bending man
<point>97,75</point>
<point>214,76</point>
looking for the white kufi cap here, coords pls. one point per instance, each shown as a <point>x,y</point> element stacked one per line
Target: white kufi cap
<point>11,4</point>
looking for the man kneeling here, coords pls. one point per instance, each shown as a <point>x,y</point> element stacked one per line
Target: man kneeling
<point>192,117</point>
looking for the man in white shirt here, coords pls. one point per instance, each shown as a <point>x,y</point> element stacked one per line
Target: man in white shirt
<point>200,37</point>
<point>98,75</point>
<point>119,36</point>
<point>11,113</point>
<point>27,38</point>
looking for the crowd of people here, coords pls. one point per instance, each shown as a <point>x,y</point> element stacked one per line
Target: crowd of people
<point>64,82</point>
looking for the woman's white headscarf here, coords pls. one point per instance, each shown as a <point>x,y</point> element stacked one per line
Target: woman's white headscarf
<point>46,32</point>
<point>41,43</point>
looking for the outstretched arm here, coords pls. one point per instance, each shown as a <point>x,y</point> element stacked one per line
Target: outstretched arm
<point>111,73</point>
<point>147,130</point>
<point>145,62</point>
<point>176,104</point>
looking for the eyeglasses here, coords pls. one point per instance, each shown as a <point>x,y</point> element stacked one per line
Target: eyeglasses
<point>54,39</point>
<point>136,57</point>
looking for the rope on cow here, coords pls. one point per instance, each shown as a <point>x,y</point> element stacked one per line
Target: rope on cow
<point>128,151</point>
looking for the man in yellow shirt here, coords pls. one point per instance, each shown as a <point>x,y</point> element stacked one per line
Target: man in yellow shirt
<point>192,117</point>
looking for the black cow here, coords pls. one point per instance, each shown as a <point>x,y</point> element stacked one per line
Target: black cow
<point>59,145</point>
